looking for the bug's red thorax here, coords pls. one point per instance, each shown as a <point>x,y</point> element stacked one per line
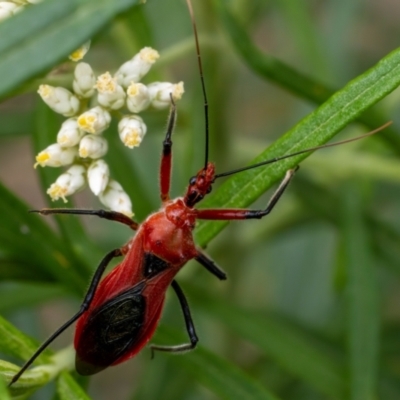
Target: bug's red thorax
<point>168,233</point>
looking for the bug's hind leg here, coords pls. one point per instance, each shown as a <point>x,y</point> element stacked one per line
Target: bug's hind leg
<point>84,306</point>
<point>189,326</point>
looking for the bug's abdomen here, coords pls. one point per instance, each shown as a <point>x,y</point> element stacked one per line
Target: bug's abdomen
<point>111,331</point>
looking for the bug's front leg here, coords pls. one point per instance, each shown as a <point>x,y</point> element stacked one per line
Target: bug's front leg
<point>166,157</point>
<point>234,214</point>
<point>110,215</point>
<point>189,326</point>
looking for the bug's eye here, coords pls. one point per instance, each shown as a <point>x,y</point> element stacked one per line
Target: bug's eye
<point>192,180</point>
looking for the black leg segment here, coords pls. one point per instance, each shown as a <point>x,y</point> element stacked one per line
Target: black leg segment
<point>274,198</point>
<point>110,215</point>
<point>210,265</point>
<point>85,305</point>
<point>189,326</point>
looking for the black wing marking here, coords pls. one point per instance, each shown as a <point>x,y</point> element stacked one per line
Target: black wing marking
<point>110,331</point>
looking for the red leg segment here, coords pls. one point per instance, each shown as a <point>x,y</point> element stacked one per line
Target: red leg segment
<point>166,158</point>
<point>233,214</point>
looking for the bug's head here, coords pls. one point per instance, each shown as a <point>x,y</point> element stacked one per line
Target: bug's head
<point>200,185</point>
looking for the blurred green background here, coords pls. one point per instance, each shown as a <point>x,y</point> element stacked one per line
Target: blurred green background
<point>311,307</point>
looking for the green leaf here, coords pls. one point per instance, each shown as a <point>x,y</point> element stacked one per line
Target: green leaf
<point>13,342</point>
<point>221,377</point>
<point>43,35</point>
<point>4,395</point>
<point>363,303</point>
<point>277,71</point>
<point>32,243</point>
<point>285,343</point>
<point>68,388</point>
<point>315,129</point>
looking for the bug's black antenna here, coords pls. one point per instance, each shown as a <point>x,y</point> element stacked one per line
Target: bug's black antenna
<point>272,160</point>
<point>203,86</point>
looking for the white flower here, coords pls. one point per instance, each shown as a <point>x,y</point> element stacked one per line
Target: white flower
<point>131,130</point>
<point>111,94</point>
<point>116,199</point>
<point>68,183</point>
<point>138,97</point>
<point>160,93</point>
<point>59,99</point>
<point>69,135</point>
<point>78,54</point>
<point>84,80</point>
<point>93,146</point>
<point>95,121</point>
<point>98,175</point>
<point>56,156</point>
<point>8,8</point>
<point>134,69</point>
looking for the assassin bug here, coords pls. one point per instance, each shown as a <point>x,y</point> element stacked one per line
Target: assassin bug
<point>120,313</point>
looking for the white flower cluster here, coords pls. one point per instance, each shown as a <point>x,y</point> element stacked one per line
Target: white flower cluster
<point>80,141</point>
<point>9,8</point>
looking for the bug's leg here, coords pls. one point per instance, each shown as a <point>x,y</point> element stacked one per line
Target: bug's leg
<point>110,215</point>
<point>232,214</point>
<point>84,306</point>
<point>166,157</point>
<point>210,265</point>
<point>189,326</point>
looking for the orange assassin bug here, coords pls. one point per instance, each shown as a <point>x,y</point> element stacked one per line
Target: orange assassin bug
<point>120,313</point>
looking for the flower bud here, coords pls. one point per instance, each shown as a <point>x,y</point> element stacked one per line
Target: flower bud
<point>84,80</point>
<point>98,176</point>
<point>8,9</point>
<point>60,100</point>
<point>69,135</point>
<point>95,121</point>
<point>134,69</point>
<point>116,199</point>
<point>138,97</point>
<point>68,183</point>
<point>160,93</point>
<point>78,54</point>
<point>93,146</point>
<point>111,94</point>
<point>131,130</point>
<point>56,156</point>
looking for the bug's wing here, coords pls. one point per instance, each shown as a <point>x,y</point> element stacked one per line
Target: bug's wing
<point>110,331</point>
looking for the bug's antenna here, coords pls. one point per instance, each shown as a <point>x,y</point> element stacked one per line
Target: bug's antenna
<point>272,160</point>
<point>203,86</point>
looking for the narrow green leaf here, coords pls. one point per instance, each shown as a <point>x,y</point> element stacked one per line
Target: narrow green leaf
<point>34,244</point>
<point>286,344</point>
<point>13,342</point>
<point>4,395</point>
<point>315,129</point>
<point>68,388</point>
<point>63,29</point>
<point>221,377</point>
<point>363,299</point>
<point>271,68</point>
